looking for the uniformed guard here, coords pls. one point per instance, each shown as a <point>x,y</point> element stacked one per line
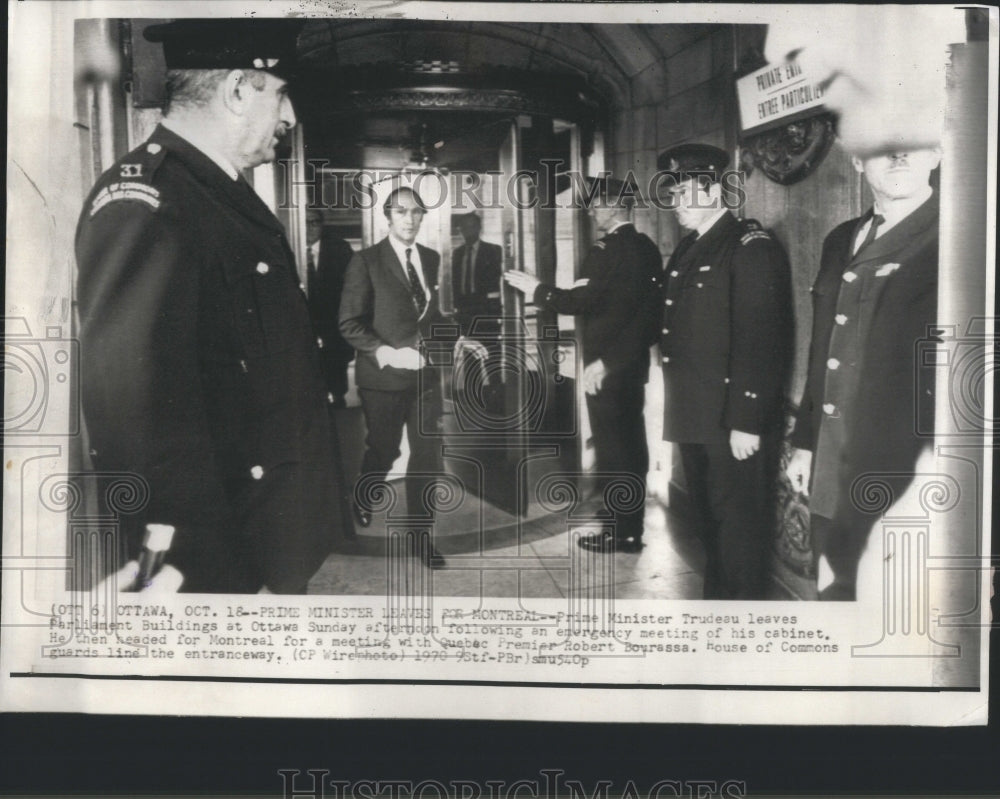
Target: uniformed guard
<point>618,299</point>
<point>725,345</point>
<point>200,370</point>
<point>868,394</point>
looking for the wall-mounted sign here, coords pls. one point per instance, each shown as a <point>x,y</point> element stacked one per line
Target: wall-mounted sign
<point>776,93</point>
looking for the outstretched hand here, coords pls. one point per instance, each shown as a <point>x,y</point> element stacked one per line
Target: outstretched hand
<point>522,281</point>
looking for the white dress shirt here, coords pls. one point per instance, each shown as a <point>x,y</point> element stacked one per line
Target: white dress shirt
<point>400,249</point>
<point>907,206</point>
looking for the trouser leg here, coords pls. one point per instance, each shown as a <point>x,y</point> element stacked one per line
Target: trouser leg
<point>423,425</point>
<point>739,497</point>
<point>385,414</point>
<point>619,431</point>
<point>833,539</point>
<point>694,459</point>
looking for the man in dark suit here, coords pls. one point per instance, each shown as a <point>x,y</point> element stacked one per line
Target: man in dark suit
<point>200,371</point>
<point>327,257</point>
<point>389,305</point>
<point>865,399</point>
<point>618,299</point>
<point>475,273</point>
<point>726,346</point>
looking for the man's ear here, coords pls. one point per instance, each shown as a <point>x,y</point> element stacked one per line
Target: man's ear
<point>235,88</point>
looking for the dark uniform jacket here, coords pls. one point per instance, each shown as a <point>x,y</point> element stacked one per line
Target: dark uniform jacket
<point>879,390</point>
<point>325,289</point>
<point>726,337</point>
<point>484,301</point>
<point>378,308</point>
<point>200,369</point>
<point>618,298</point>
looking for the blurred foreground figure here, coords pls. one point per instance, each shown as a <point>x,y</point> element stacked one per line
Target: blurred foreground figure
<point>876,293</point>
<point>885,66</point>
<point>866,394</point>
<point>200,372</point>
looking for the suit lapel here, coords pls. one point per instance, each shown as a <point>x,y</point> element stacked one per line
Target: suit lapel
<point>889,254</point>
<point>845,256</point>
<point>903,238</point>
<point>430,270</point>
<point>457,269</point>
<point>388,257</point>
<point>704,244</point>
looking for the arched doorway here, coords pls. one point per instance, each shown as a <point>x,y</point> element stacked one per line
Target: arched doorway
<point>490,142</point>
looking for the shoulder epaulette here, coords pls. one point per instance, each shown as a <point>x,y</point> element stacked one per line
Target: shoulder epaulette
<point>130,179</point>
<point>752,230</point>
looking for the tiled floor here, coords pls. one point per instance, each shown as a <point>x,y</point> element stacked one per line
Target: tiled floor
<point>538,560</point>
<point>491,553</point>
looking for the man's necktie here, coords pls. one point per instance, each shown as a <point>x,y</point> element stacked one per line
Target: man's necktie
<point>419,298</point>
<point>877,219</point>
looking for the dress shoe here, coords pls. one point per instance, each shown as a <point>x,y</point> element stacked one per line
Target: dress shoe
<point>606,543</point>
<point>362,516</point>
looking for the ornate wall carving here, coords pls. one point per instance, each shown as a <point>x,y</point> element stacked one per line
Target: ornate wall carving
<point>792,152</point>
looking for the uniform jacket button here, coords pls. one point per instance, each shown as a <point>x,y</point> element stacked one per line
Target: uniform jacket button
<point>840,319</point>
<point>329,397</point>
<point>666,359</point>
<point>319,342</point>
<point>829,408</point>
<point>832,364</point>
<point>670,302</point>
<point>263,268</point>
<point>256,472</point>
<point>153,148</point>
